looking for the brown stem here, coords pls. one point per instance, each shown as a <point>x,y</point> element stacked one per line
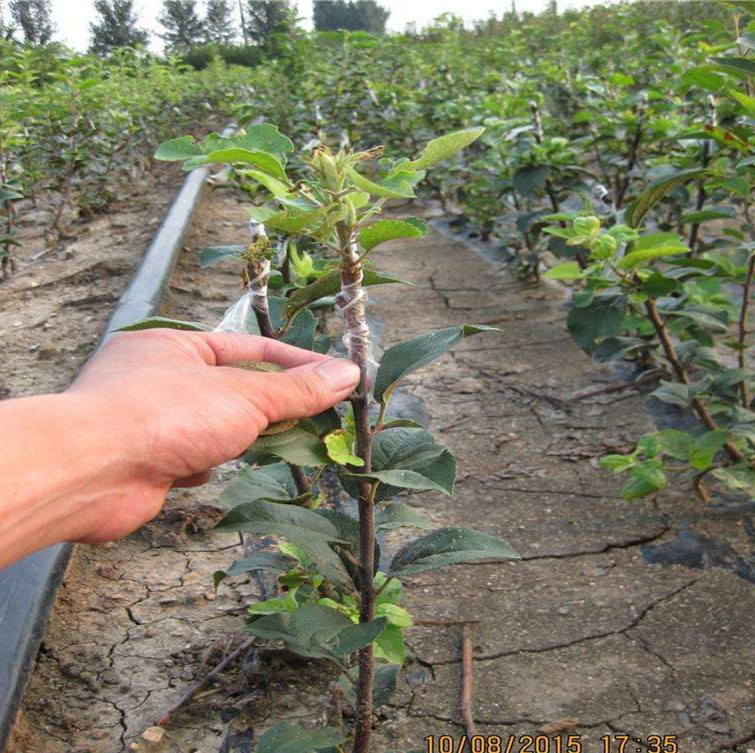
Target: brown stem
<point>259,273</point>
<point>701,192</point>
<point>467,681</point>
<point>699,407</point>
<point>743,330</point>
<point>351,303</point>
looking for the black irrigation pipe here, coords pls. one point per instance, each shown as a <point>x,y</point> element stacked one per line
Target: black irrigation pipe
<point>28,587</point>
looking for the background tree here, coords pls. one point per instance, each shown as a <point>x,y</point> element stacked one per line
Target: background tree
<point>183,27</point>
<point>116,26</point>
<point>263,18</point>
<point>34,18</point>
<point>218,22</point>
<point>364,15</point>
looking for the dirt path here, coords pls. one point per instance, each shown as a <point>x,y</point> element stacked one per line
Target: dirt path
<point>583,631</point>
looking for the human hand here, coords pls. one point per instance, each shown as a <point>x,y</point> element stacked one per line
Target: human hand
<point>166,406</point>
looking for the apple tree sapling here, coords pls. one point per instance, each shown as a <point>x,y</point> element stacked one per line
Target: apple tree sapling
<point>333,602</point>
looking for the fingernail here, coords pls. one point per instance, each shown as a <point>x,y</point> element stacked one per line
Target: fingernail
<point>339,374</point>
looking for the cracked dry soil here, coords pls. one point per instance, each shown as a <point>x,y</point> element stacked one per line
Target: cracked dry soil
<point>582,636</point>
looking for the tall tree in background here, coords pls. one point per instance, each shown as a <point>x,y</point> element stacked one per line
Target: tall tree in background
<point>34,17</point>
<point>263,18</point>
<point>183,27</point>
<point>116,26</point>
<point>218,22</point>
<point>363,15</point>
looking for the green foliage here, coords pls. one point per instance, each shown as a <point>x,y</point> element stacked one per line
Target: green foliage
<point>289,738</point>
<point>406,357</point>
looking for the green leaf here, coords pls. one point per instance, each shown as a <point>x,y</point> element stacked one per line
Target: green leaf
<point>644,478</point>
<point>385,681</point>
<point>410,355</point>
<point>303,527</point>
<point>448,546</point>
<point>271,561</point>
<point>738,66</point>
<point>213,254</point>
<point>527,180</point>
<point>704,215</point>
<point>295,221</point>
<point>618,463</point>
<point>285,603</point>
<point>162,322</point>
<point>611,348</point>
<point>674,394</point>
<point>354,637</point>
<point>294,446</point>
<point>268,518</point>
<point>400,515</point>
<point>602,317</point>
<point>567,271</point>
<point>265,138</point>
<point>390,645</point>
<point>739,477</point>
<point>656,191</point>
<point>277,188</point>
<point>177,150</point>
<point>271,482</point>
<point>348,535</point>
<point>444,147</point>
<point>406,479</point>
<point>700,318</point>
<point>704,450</point>
<point>329,284</point>
<point>339,444</point>
<point>264,161</point>
<point>317,631</point>
<point>406,459</point>
<point>290,738</point>
<point>651,247</point>
<point>386,190</point>
<point>383,231</point>
<point>676,444</point>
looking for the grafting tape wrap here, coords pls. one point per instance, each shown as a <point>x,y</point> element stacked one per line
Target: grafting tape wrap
<point>28,587</point>
<point>351,303</point>
<point>236,317</point>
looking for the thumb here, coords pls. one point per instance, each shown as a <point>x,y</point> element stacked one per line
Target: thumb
<point>305,390</point>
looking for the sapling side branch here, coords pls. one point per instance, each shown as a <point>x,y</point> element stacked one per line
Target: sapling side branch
<point>633,152</point>
<point>701,192</point>
<point>258,272</point>
<point>699,407</point>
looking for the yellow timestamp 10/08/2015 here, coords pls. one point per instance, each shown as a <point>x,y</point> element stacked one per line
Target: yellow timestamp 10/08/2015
<point>547,744</point>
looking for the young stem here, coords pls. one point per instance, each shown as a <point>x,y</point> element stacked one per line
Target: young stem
<point>701,192</point>
<point>351,303</point>
<point>259,274</point>
<point>701,410</point>
<point>743,329</point>
<point>633,153</point>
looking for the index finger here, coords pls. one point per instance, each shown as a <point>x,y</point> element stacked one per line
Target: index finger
<point>229,348</point>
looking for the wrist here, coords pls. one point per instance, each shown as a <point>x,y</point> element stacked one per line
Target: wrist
<point>77,446</point>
